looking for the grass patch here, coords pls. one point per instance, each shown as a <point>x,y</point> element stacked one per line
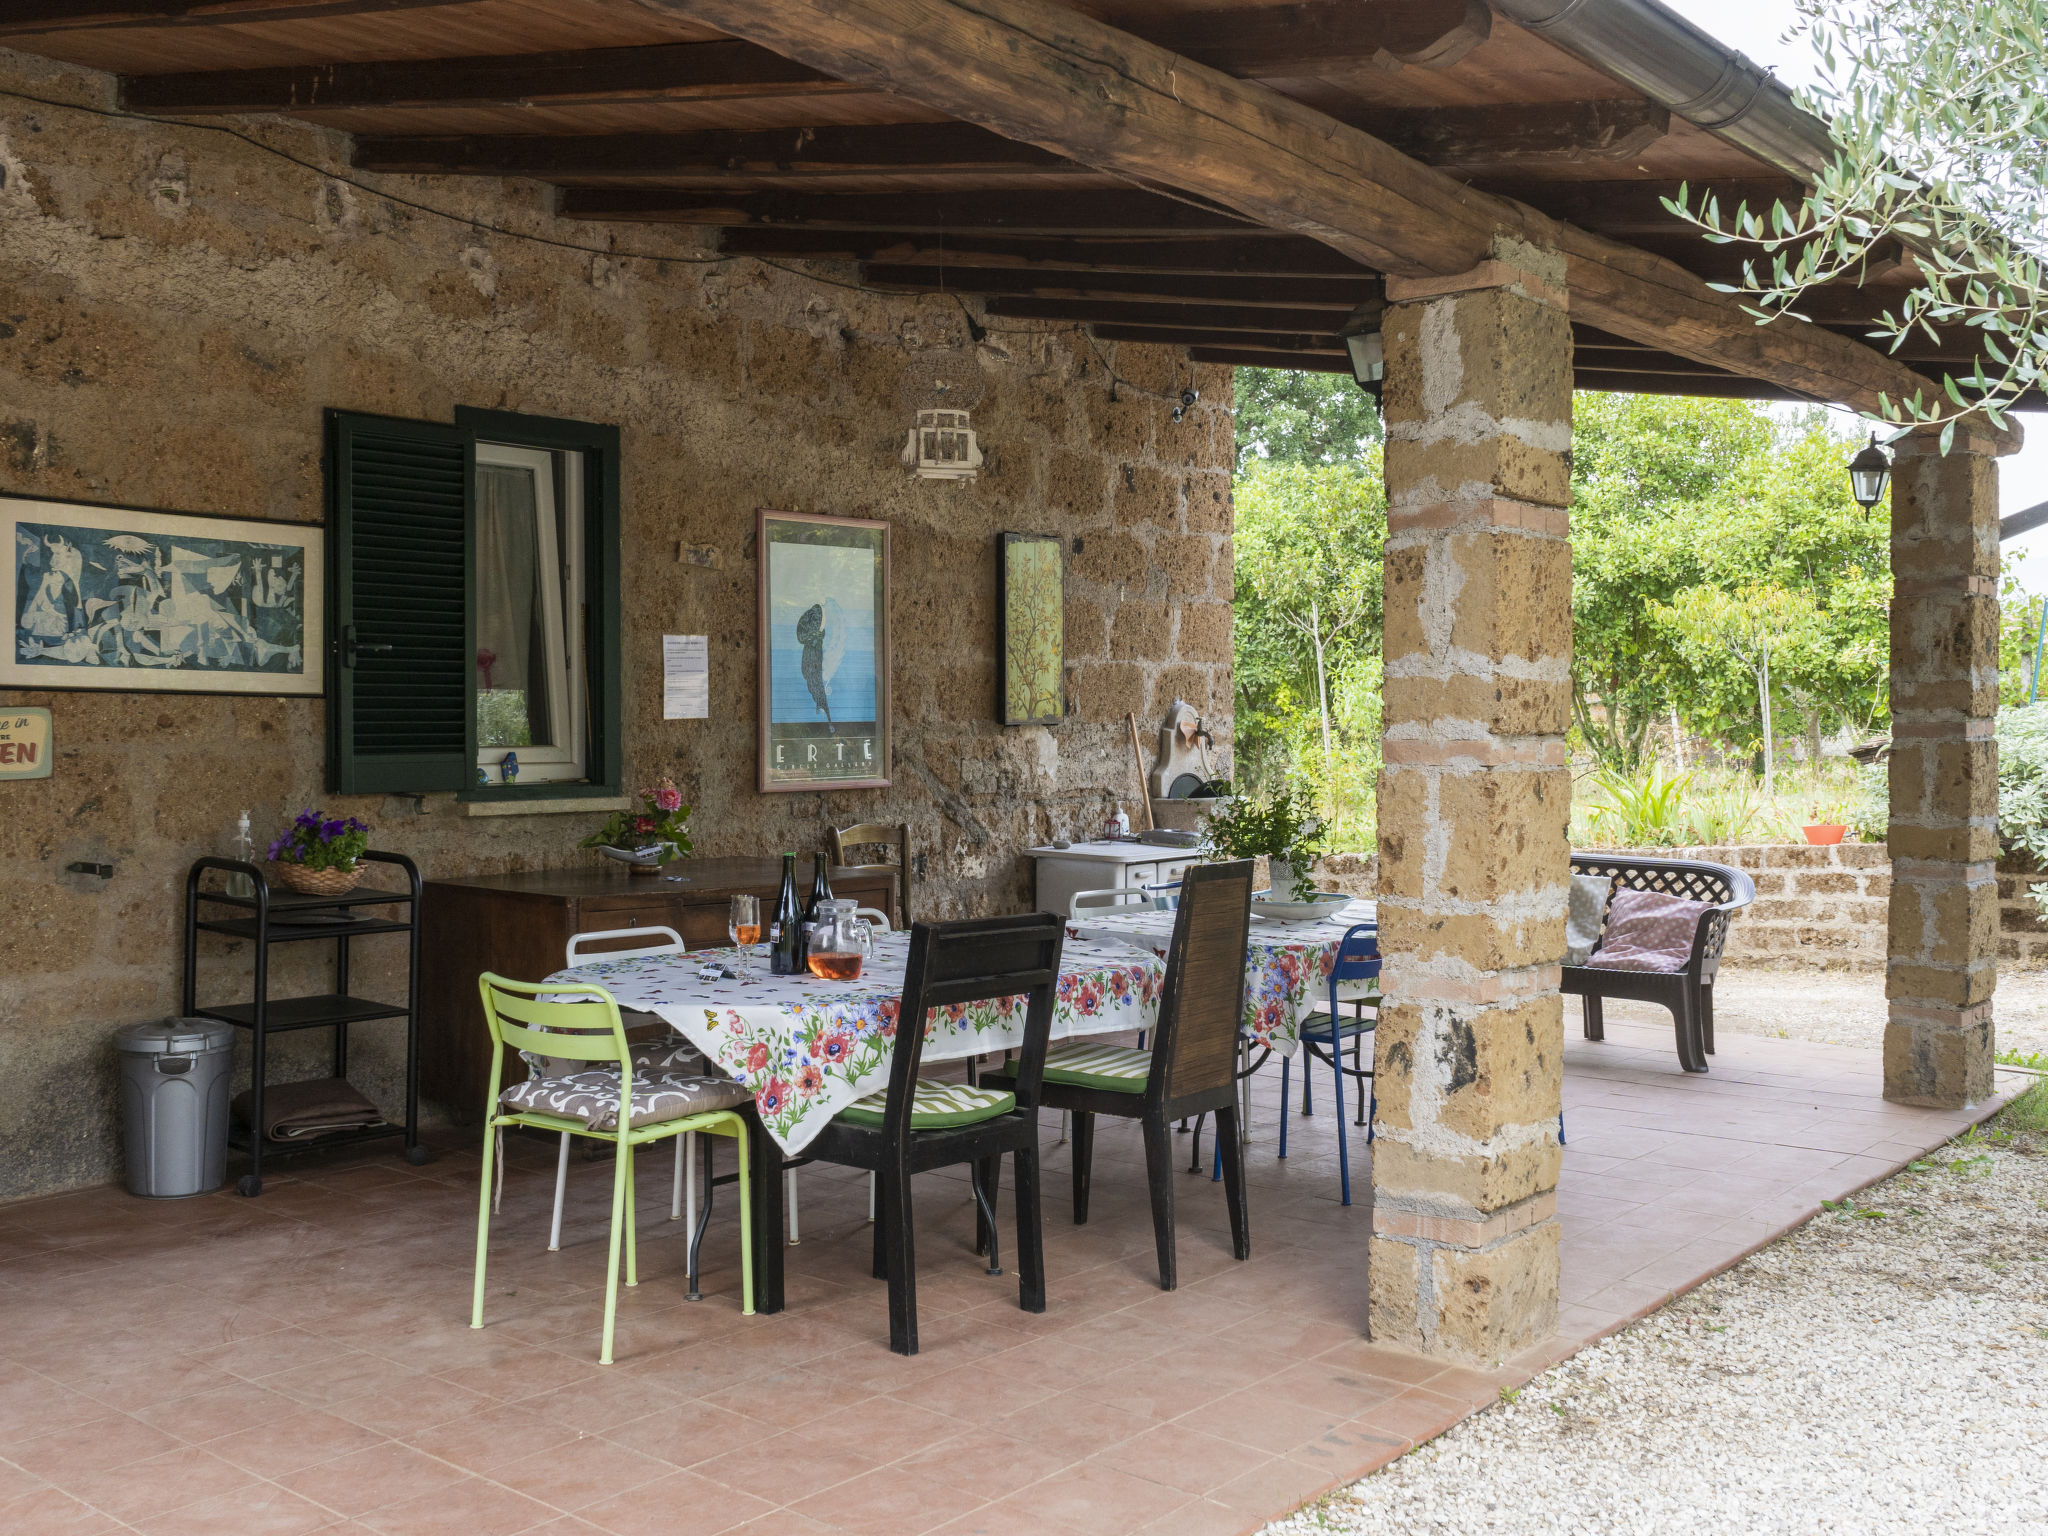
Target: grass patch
<point>2027,1114</point>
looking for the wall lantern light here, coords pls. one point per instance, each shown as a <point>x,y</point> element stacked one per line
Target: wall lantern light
<point>1868,472</point>
<point>1361,336</point>
<point>940,387</point>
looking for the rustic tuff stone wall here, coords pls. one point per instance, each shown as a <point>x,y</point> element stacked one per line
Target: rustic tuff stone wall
<point>177,307</point>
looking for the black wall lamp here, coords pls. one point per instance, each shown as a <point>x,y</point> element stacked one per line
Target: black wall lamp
<point>1368,353</point>
<point>1868,473</point>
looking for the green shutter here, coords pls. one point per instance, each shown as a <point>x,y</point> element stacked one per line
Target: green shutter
<point>398,564</point>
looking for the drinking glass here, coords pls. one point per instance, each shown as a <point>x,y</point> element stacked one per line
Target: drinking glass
<point>745,927</point>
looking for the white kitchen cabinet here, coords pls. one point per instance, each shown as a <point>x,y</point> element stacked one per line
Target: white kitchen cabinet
<point>1101,866</point>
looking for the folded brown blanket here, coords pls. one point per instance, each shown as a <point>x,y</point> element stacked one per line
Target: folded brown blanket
<point>296,1111</point>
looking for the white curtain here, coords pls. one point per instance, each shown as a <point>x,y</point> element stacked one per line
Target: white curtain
<point>511,653</point>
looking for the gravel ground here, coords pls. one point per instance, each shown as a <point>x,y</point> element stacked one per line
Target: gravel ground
<point>1865,1375</point>
<point>1837,1007</point>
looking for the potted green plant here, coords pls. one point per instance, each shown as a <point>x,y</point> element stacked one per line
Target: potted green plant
<point>319,855</point>
<point>648,838</point>
<point>1288,836</point>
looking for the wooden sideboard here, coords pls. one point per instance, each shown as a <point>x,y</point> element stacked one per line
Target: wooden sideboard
<point>520,926</point>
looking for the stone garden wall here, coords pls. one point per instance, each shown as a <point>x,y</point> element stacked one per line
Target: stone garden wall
<point>177,308</point>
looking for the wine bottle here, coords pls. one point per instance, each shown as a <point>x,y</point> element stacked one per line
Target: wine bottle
<point>785,946</point>
<point>820,893</point>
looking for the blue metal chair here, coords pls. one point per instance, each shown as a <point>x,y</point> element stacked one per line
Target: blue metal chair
<point>1357,959</point>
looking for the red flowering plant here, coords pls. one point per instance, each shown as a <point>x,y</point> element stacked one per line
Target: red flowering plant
<point>663,821</point>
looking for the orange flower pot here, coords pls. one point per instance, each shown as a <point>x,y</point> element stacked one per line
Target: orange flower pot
<point>1826,835</point>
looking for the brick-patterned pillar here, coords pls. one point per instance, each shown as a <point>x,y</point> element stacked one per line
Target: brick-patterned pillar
<point>1943,962</point>
<point>1474,807</point>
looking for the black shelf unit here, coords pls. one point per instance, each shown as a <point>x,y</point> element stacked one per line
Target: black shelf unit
<point>280,917</point>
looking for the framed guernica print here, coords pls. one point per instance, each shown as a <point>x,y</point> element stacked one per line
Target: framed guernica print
<point>123,599</point>
<point>824,648</point>
<point>1031,629</point>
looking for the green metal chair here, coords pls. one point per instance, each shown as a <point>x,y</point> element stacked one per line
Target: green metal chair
<point>589,1104</point>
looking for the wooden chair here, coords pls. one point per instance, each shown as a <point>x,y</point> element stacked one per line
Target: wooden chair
<point>917,1124</point>
<point>563,1028</point>
<point>879,834</point>
<point>1191,1068</point>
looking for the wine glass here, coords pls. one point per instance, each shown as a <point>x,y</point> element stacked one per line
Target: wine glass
<point>744,925</point>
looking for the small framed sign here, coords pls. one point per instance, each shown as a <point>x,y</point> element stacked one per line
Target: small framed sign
<point>24,744</point>
<point>824,637</point>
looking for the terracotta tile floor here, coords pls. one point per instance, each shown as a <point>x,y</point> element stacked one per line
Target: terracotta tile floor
<point>302,1362</point>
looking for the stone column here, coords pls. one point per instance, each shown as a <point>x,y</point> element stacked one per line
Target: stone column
<point>1474,808</point>
<point>1942,964</point>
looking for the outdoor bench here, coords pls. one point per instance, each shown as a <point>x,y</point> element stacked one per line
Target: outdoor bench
<point>1687,991</point>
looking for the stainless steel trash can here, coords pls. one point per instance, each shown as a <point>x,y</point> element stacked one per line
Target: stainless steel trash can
<point>175,1081</point>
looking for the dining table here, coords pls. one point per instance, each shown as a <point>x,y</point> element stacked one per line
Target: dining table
<point>1287,963</point>
<point>807,1047</point>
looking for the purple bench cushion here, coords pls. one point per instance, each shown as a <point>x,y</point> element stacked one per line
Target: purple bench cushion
<point>1648,931</point>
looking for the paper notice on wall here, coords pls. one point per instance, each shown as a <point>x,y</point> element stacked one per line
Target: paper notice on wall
<point>685,677</point>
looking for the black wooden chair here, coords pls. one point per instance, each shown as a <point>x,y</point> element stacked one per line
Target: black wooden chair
<point>1191,1068</point>
<point>918,1124</point>
<point>1687,992</point>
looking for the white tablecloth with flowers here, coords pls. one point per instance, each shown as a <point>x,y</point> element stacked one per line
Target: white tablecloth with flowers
<point>1287,973</point>
<point>808,1048</point>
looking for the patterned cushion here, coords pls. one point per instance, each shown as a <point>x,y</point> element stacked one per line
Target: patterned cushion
<point>1587,907</point>
<point>936,1106</point>
<point>1316,1024</point>
<point>593,1097</point>
<point>669,1053</point>
<point>1648,931</point>
<point>1085,1064</point>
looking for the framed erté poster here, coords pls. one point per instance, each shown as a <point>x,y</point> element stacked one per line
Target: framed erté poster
<point>1031,633</point>
<point>124,599</point>
<point>824,646</point>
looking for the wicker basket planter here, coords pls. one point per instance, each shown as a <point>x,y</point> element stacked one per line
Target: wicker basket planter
<point>316,882</point>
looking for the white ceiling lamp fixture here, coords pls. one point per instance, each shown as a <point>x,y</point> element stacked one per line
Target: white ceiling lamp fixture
<point>1362,343</point>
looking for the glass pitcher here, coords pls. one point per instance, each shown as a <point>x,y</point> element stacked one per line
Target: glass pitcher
<point>840,941</point>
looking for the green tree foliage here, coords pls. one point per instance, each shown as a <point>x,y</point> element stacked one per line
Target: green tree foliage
<point>1310,541</point>
<point>1939,113</point>
<point>1302,418</point>
<point>1675,496</point>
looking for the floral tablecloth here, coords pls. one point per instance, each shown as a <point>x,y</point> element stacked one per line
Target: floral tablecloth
<point>808,1048</point>
<point>1288,964</point>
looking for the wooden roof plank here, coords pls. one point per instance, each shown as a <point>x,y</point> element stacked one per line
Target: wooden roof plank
<point>1258,255</point>
<point>1017,213</point>
<point>26,17</point>
<point>1338,295</point>
<point>1033,70</point>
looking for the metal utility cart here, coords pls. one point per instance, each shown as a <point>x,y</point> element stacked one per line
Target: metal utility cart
<point>281,917</point>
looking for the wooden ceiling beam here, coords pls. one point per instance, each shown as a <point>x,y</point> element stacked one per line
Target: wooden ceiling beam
<point>1080,212</point>
<point>1339,295</point>
<point>34,17</point>
<point>1260,256</point>
<point>1196,336</point>
<point>879,149</point>
<point>1456,139</point>
<point>729,70</point>
<point>1276,40</point>
<point>1630,208</point>
<point>1548,133</point>
<point>1259,357</point>
<point>1037,71</point>
<point>1205,317</point>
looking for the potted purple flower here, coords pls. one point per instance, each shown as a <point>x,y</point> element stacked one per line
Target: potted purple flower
<point>320,855</point>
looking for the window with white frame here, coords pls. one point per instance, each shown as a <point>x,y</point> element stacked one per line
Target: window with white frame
<point>529,596</point>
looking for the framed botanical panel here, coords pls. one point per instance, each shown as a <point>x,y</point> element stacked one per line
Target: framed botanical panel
<point>119,598</point>
<point>1031,607</point>
<point>824,633</point>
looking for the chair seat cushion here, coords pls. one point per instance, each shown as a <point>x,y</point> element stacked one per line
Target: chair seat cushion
<point>1586,910</point>
<point>936,1106</point>
<point>1317,1024</point>
<point>1648,931</point>
<point>1088,1064</point>
<point>664,1054</point>
<point>593,1097</point>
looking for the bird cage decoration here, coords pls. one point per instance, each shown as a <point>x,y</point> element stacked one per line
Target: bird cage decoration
<point>940,387</point>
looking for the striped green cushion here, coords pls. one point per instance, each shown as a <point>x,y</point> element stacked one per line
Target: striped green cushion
<point>1085,1064</point>
<point>937,1106</point>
